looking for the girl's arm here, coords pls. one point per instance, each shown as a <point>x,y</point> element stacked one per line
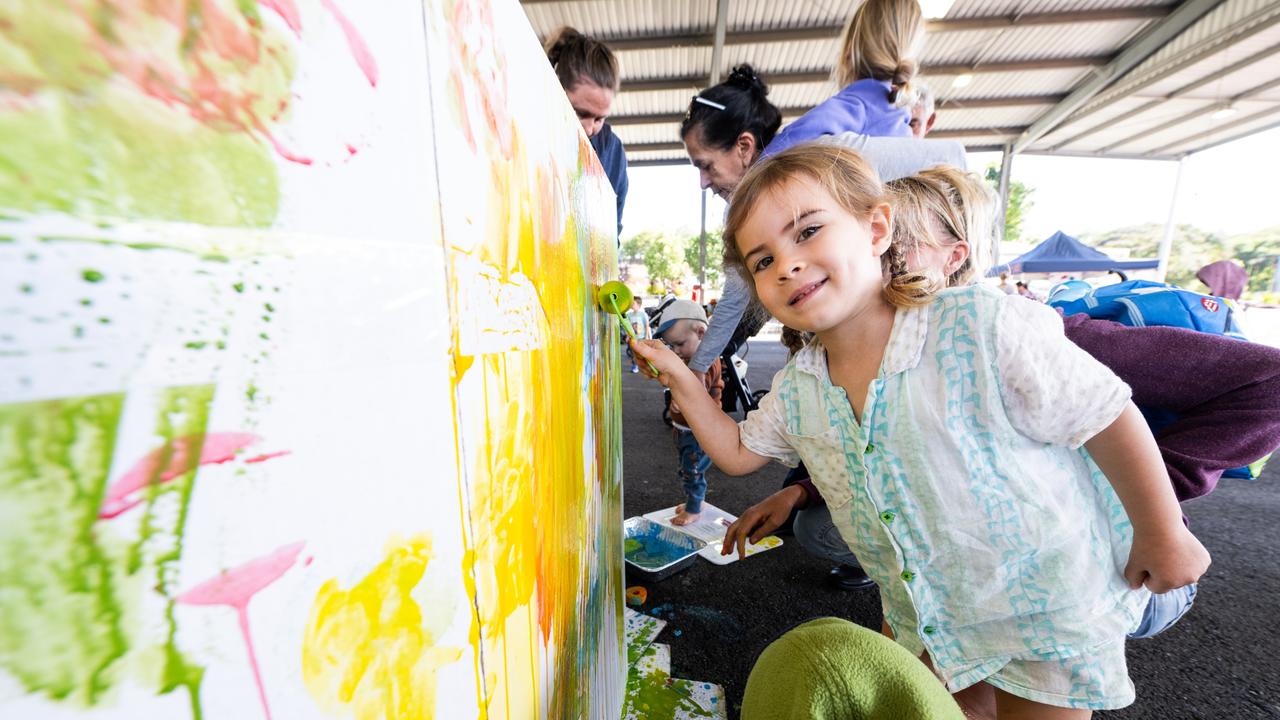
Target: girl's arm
<point>1165,555</point>
<point>716,432</point>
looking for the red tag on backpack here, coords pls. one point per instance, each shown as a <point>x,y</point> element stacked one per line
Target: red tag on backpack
<point>1209,304</point>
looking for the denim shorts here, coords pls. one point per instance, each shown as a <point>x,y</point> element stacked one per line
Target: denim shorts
<point>1164,610</point>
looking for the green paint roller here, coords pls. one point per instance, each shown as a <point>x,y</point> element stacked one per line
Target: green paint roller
<point>612,297</point>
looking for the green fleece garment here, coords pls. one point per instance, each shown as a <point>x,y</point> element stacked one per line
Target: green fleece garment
<point>832,669</point>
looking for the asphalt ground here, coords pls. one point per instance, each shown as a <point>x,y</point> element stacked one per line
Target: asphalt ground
<point>1221,661</point>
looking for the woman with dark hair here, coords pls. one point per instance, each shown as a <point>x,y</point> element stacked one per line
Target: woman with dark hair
<point>588,72</point>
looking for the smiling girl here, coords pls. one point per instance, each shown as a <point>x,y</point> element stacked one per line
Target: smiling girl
<point>994,480</point>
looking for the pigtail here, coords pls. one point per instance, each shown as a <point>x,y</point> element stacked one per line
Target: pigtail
<point>903,287</point>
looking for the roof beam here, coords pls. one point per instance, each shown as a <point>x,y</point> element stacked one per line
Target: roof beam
<point>935,135</point>
<point>832,31</point>
<point>1261,114</point>
<point>797,111</point>
<point>1185,89</point>
<point>1212,107</point>
<point>1156,37</point>
<point>688,82</point>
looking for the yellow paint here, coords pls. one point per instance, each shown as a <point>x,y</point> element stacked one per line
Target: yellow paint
<point>367,649</point>
<point>535,395</point>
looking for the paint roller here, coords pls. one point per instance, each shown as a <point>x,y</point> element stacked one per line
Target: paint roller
<point>612,297</point>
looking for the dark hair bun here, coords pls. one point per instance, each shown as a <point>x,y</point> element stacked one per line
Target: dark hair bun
<point>744,77</point>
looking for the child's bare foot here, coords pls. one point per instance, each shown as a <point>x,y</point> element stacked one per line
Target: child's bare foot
<point>685,518</point>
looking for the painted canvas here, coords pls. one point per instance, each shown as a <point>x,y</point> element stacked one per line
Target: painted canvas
<point>306,409</point>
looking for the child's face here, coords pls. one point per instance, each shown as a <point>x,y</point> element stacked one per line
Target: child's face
<point>684,338</point>
<point>941,257</point>
<point>814,264</point>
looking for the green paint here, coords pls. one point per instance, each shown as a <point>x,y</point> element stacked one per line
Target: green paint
<point>26,288</point>
<point>183,413</point>
<point>92,144</point>
<point>196,345</point>
<point>78,331</point>
<point>632,546</point>
<point>86,302</point>
<point>92,276</point>
<point>239,286</point>
<point>651,696</point>
<point>264,336</point>
<point>73,629</point>
<point>269,307</point>
<point>104,321</point>
<point>62,622</point>
<point>251,393</point>
<point>7,239</point>
<point>220,344</point>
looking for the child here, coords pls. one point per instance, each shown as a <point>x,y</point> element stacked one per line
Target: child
<point>943,429</point>
<point>875,67</point>
<point>639,325</point>
<point>680,326</point>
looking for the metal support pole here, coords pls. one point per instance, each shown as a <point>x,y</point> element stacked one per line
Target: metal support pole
<point>722,19</point>
<point>702,245</point>
<point>1006,167</point>
<point>1166,242</point>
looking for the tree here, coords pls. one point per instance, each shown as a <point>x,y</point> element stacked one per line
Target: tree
<point>715,256</point>
<point>662,256</point>
<point>1019,203</point>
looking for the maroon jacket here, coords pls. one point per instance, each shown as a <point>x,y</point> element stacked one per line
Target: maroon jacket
<point>1225,392</point>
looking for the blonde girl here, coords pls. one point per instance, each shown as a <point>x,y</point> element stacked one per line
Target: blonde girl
<point>993,479</point>
<point>875,70</point>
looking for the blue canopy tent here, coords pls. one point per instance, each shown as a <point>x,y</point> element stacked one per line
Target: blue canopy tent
<point>1063,253</point>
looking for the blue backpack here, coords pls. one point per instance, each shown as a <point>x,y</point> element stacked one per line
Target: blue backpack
<point>1140,303</point>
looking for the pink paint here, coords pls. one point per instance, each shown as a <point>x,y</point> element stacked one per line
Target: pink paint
<point>287,11</point>
<point>359,50</point>
<point>215,448</point>
<point>236,587</point>
<point>283,151</point>
<point>266,456</point>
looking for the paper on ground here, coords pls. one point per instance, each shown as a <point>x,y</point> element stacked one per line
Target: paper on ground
<point>640,630</point>
<point>710,529</point>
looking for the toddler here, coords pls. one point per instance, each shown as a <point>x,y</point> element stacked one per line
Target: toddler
<point>680,326</point>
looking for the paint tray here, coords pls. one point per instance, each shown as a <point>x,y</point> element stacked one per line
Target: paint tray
<point>656,551</point>
<point>710,530</point>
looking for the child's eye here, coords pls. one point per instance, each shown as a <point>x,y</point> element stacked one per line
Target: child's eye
<point>762,263</point>
<point>808,232</point>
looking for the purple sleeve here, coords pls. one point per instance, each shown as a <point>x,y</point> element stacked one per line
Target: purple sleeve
<point>837,114</point>
<point>812,498</point>
<point>1226,393</point>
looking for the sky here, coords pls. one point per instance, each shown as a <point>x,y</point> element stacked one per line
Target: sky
<point>1227,190</point>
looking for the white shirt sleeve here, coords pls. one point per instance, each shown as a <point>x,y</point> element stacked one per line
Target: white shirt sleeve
<point>1053,391</point>
<point>897,157</point>
<point>764,430</point>
<point>733,304</point>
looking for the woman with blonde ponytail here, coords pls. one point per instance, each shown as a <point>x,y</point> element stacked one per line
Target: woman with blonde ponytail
<point>875,67</point>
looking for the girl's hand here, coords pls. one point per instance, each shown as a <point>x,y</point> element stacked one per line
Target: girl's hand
<point>1164,561</point>
<point>661,357</point>
<point>761,519</point>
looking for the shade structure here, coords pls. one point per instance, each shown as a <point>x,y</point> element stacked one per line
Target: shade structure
<point>1062,253</point>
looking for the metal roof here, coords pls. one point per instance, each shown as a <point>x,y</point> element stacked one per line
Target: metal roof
<point>1106,78</point>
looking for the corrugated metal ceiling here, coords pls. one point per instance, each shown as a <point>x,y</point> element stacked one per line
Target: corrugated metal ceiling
<point>1209,81</point>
